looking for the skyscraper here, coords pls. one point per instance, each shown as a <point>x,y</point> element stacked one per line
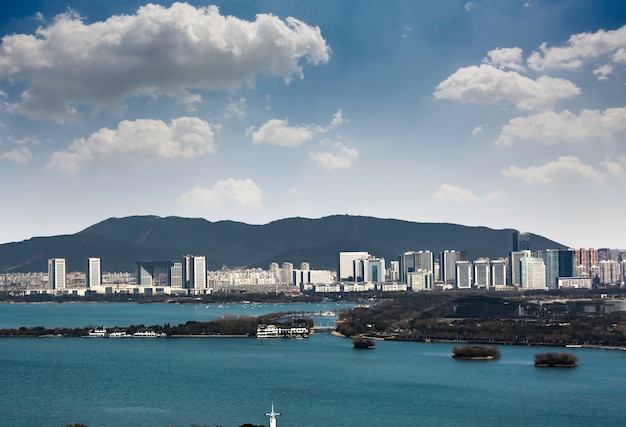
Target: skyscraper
<point>498,272</point>
<point>56,273</point>
<point>374,270</point>
<point>521,241</point>
<point>463,274</point>
<point>287,271</point>
<point>550,259</point>
<point>94,273</point>
<point>482,273</point>
<point>194,273</point>
<point>347,266</point>
<point>514,266</point>
<point>447,265</point>
<point>532,273</point>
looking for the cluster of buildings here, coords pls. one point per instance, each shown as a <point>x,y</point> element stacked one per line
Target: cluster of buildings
<point>423,270</point>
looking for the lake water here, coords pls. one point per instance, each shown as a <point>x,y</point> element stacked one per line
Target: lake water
<point>319,381</point>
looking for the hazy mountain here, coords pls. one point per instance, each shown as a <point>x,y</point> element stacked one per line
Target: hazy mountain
<point>120,242</point>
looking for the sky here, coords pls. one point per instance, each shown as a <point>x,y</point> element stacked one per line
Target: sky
<point>496,113</point>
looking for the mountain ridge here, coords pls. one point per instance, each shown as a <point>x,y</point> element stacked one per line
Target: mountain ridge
<point>121,242</point>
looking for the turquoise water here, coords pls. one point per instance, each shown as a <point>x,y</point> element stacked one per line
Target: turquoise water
<point>320,381</point>
<point>78,315</point>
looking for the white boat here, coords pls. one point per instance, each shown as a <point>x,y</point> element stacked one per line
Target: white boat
<point>145,334</point>
<point>267,331</point>
<point>118,334</point>
<point>98,332</point>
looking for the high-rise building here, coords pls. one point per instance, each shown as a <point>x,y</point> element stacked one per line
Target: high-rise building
<point>498,272</point>
<point>482,273</point>
<point>176,275</point>
<point>407,262</point>
<point>305,266</point>
<point>550,259</point>
<point>56,273</point>
<point>374,270</point>
<point>463,274</point>
<point>393,273</point>
<point>420,280</point>
<point>521,242</point>
<point>514,266</point>
<point>195,273</point>
<point>532,273</point>
<point>94,272</point>
<point>567,263</point>
<point>447,266</point>
<point>287,272</point>
<point>347,266</point>
<point>275,269</point>
<point>609,272</point>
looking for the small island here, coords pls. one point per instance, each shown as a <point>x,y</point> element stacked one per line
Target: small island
<point>475,352</point>
<point>556,360</point>
<point>363,343</point>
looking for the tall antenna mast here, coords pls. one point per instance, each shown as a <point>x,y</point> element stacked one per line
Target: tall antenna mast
<point>272,416</point>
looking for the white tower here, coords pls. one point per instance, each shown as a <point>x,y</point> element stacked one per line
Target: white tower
<point>272,416</point>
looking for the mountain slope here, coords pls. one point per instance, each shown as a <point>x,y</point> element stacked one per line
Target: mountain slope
<point>120,242</point>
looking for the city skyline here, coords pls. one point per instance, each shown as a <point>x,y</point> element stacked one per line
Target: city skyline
<point>504,114</point>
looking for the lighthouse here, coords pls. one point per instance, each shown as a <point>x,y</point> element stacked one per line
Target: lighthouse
<point>272,416</point>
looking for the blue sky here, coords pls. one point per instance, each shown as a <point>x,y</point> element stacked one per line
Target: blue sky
<point>505,114</point>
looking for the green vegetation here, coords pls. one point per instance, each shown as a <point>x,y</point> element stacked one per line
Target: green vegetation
<point>555,360</point>
<point>475,352</point>
<point>228,324</point>
<point>488,319</point>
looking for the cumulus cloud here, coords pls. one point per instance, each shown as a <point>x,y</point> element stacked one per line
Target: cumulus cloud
<point>487,84</point>
<point>337,119</point>
<point>579,49</point>
<point>237,108</point>
<point>506,58</point>
<point>617,168</point>
<point>242,194</point>
<point>603,72</point>
<point>341,157</point>
<point>564,167</point>
<point>452,193</point>
<point>184,137</point>
<point>279,132</point>
<point>157,51</point>
<point>552,127</point>
<point>17,155</point>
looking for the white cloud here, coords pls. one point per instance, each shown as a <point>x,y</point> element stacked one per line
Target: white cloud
<point>337,119</point>
<point>487,84</point>
<point>237,108</point>
<point>564,167</point>
<point>603,71</point>
<point>495,195</point>
<point>17,155</point>
<point>579,49</point>
<point>619,57</point>
<point>617,168</point>
<point>452,193</point>
<point>478,130</point>
<point>278,132</point>
<point>157,51</point>
<point>185,137</point>
<point>506,58</point>
<point>552,127</point>
<point>341,157</point>
<point>242,194</point>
